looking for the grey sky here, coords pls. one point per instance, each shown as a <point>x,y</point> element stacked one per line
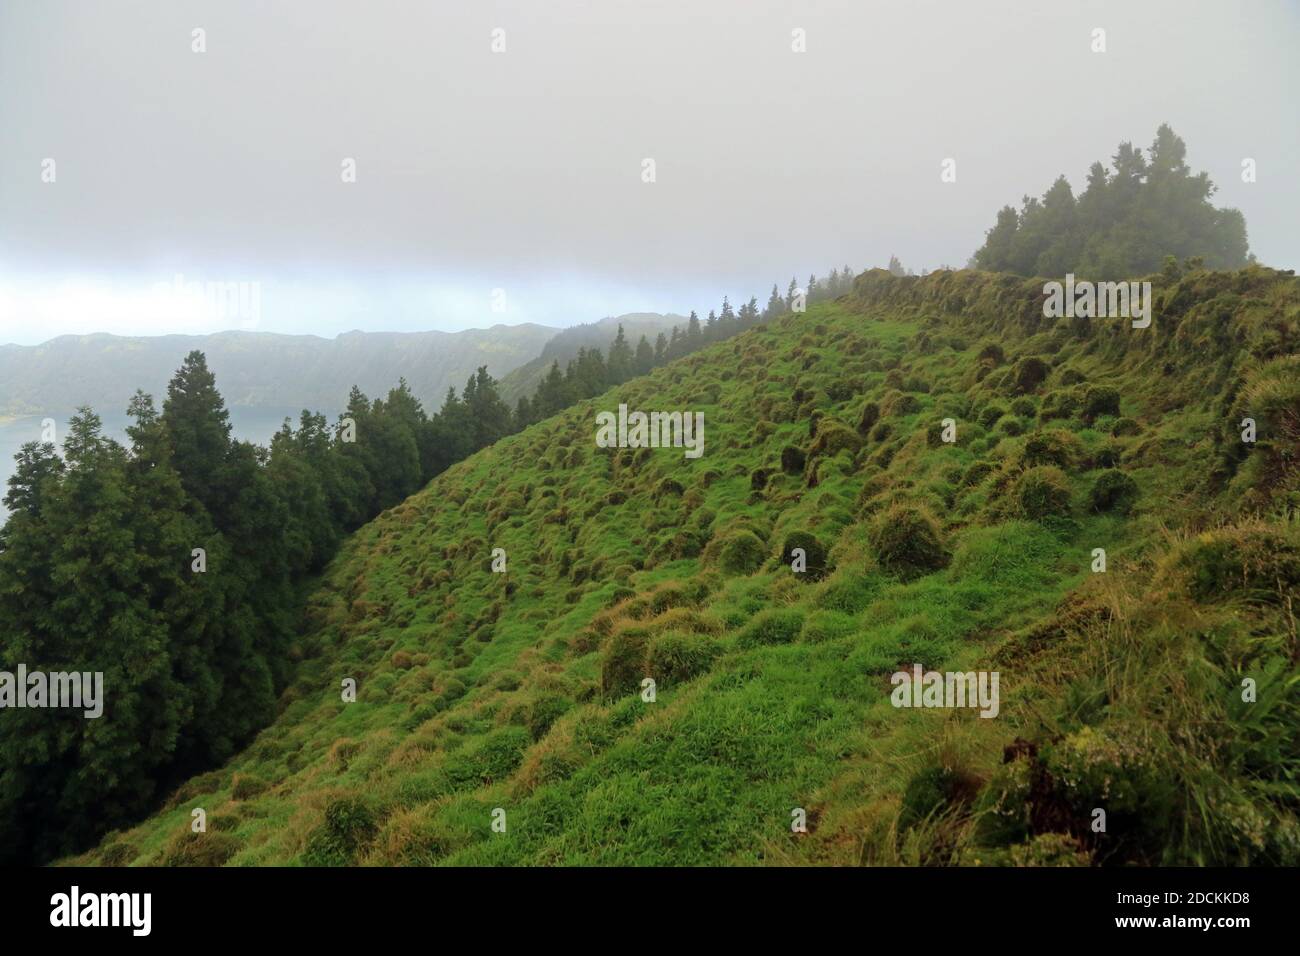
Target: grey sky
<point>522,170</point>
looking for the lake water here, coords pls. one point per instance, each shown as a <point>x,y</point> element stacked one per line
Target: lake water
<point>248,424</point>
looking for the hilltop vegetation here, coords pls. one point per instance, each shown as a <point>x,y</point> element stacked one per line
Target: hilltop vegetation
<point>1121,690</point>
<point>1124,223</point>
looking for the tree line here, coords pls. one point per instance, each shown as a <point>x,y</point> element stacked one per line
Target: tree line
<point>1125,223</point>
<point>592,372</point>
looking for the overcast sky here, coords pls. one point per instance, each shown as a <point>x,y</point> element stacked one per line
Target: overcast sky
<point>522,171</point>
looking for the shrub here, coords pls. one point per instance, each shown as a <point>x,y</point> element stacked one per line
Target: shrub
<point>906,540</point>
<point>870,415</point>
<point>832,438</point>
<point>1143,797</point>
<point>741,552</point>
<point>1100,400</point>
<point>976,473</point>
<point>543,711</point>
<point>669,487</point>
<point>1112,491</point>
<point>1042,492</point>
<point>1108,455</point>
<point>1056,447</point>
<point>676,658</point>
<point>933,790</point>
<point>1024,406</point>
<point>200,849</point>
<point>779,626</point>
<point>118,853</point>
<point>1125,426</point>
<point>793,460</point>
<point>814,551</point>
<point>898,403</point>
<point>1259,562</point>
<point>348,826</point>
<point>243,786</point>
<point>1062,403</point>
<point>1028,373</point>
<point>622,663</point>
<point>1011,425</point>
<point>990,414</point>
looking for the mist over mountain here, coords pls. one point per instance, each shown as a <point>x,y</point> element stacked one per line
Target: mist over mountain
<point>522,382</point>
<point>256,369</point>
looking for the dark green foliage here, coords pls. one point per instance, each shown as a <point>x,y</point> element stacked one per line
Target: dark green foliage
<point>623,662</point>
<point>1028,373</point>
<point>1100,400</point>
<point>793,460</point>
<point>348,826</point>
<point>833,437</point>
<point>1112,491</point>
<point>1256,562</point>
<point>194,659</point>
<point>1125,426</point>
<point>1124,224</point>
<point>1043,492</point>
<point>931,791</point>
<point>906,540</point>
<point>1011,426</point>
<point>815,553</point>
<point>867,420</point>
<point>1024,407</point>
<point>1061,403</point>
<point>990,414</point>
<point>1059,448</point>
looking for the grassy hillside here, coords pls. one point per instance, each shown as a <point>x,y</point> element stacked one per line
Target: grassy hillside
<point>1120,690</point>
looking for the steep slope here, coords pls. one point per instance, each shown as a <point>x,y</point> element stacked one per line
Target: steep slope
<point>1121,690</point>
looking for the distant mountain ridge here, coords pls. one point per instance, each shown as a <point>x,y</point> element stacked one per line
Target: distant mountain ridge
<point>522,382</point>
<point>257,369</point>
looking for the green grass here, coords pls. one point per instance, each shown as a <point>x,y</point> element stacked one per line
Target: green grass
<point>480,691</point>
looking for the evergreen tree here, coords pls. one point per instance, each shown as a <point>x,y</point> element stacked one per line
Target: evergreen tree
<point>621,364</point>
<point>645,357</point>
<point>775,304</point>
<point>198,428</point>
